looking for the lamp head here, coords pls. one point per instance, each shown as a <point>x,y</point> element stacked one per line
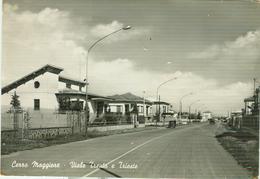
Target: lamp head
<point>127,27</point>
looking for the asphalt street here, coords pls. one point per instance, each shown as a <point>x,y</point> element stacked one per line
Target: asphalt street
<point>185,152</point>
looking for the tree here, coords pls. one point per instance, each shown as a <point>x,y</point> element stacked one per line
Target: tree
<point>15,102</point>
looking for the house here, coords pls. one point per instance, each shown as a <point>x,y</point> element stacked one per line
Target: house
<point>235,119</point>
<point>206,115</point>
<point>250,105</point>
<point>161,107</point>
<point>250,113</point>
<point>46,94</point>
<point>122,104</point>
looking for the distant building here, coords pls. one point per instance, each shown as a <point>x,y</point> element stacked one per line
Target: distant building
<point>206,115</point>
<point>235,119</point>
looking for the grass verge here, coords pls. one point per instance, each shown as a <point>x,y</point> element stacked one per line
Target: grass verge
<point>244,147</point>
<point>8,147</point>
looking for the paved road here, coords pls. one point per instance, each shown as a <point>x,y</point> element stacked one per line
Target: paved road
<point>184,152</point>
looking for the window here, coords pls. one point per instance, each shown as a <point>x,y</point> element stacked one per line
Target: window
<point>164,109</point>
<point>68,85</point>
<point>36,104</point>
<point>36,84</point>
<point>65,104</point>
<point>140,109</point>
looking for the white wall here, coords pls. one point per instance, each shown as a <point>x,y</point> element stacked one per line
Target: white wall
<point>155,107</point>
<point>113,107</point>
<point>206,116</point>
<point>145,109</point>
<point>27,93</point>
<point>62,85</point>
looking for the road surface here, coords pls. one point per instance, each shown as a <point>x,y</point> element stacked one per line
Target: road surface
<point>185,152</point>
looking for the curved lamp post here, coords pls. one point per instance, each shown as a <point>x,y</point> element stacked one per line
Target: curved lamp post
<point>186,95</point>
<point>158,97</point>
<point>89,49</point>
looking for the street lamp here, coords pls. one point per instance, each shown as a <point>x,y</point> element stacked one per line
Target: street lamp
<point>89,49</point>
<point>144,109</point>
<point>158,97</point>
<point>181,102</point>
<point>191,105</point>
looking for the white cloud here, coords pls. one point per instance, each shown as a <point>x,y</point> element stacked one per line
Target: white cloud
<point>120,76</point>
<point>244,46</point>
<point>237,60</point>
<point>31,40</point>
<point>101,30</point>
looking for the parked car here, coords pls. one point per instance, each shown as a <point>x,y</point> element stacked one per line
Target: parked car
<point>172,124</point>
<point>211,121</point>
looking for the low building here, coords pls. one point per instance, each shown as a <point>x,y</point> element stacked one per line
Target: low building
<point>206,115</point>
<point>250,115</point>
<point>124,104</point>
<point>163,108</point>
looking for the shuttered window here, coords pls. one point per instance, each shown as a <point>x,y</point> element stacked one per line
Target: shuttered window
<point>36,104</point>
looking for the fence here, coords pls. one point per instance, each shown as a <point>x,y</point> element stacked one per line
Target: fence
<point>30,124</point>
<point>76,120</point>
<point>20,124</point>
<point>251,121</point>
<point>35,119</point>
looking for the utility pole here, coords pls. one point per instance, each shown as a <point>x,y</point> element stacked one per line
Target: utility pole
<point>158,96</point>
<point>190,109</point>
<point>189,113</point>
<point>254,85</point>
<point>159,117</point>
<point>180,109</point>
<point>144,109</point>
<point>87,79</point>
<point>181,103</point>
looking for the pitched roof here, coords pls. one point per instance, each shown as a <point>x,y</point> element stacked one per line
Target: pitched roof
<point>161,102</point>
<point>71,81</point>
<point>73,92</point>
<point>30,76</point>
<point>128,97</point>
<point>207,112</point>
<point>252,98</point>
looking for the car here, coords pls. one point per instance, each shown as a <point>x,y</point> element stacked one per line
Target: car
<point>211,121</point>
<point>172,124</point>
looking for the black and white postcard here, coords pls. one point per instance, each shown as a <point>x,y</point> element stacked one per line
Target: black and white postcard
<point>130,88</point>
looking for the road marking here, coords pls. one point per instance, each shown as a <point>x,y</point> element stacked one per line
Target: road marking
<point>133,149</point>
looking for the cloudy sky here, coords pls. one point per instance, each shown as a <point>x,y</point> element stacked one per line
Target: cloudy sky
<point>211,46</point>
